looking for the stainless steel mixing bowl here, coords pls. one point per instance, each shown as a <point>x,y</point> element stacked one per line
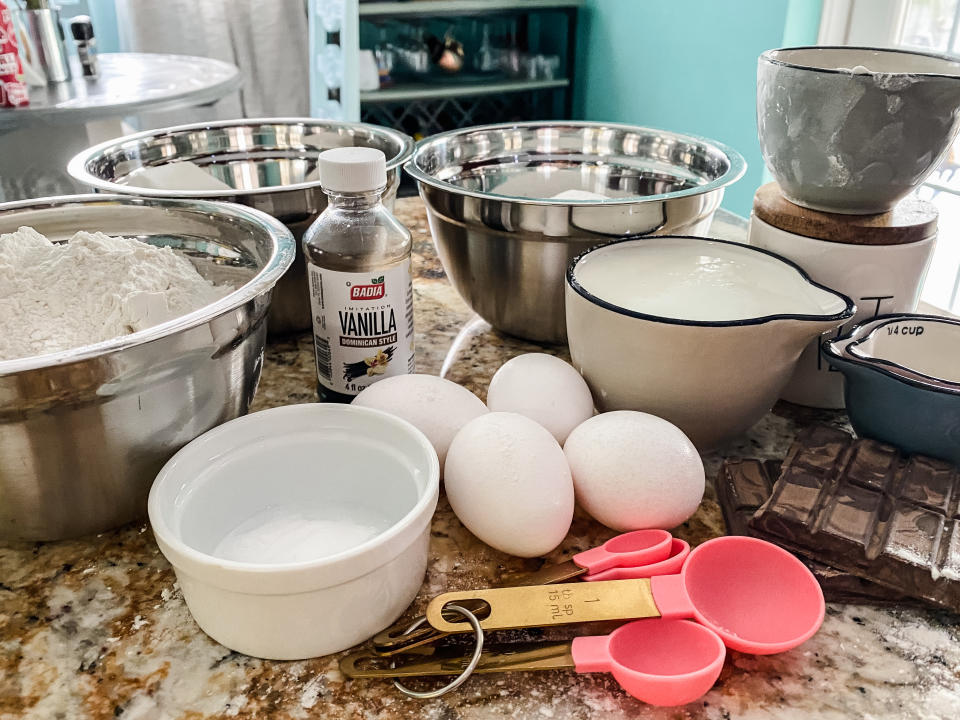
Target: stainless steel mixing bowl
<point>84,432</point>
<point>271,164</point>
<point>506,240</point>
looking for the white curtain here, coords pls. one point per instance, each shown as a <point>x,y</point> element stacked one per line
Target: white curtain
<point>266,39</point>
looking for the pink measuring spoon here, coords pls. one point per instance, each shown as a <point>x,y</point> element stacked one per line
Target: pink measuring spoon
<point>661,662</point>
<point>637,554</point>
<point>632,554</point>
<point>672,563</point>
<point>756,596</point>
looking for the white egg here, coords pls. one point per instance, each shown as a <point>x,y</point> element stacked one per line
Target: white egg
<point>437,407</point>
<point>633,471</point>
<point>545,389</point>
<point>508,481</point>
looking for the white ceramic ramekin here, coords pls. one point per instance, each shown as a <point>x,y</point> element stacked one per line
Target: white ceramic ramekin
<point>329,465</point>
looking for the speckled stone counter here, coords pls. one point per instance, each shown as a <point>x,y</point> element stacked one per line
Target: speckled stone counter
<point>97,628</point>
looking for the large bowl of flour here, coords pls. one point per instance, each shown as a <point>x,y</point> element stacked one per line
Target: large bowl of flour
<point>128,327</point>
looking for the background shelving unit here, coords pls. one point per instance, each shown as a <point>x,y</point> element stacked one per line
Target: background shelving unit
<point>425,106</point>
<point>451,8</point>
<point>427,109</point>
<point>430,91</point>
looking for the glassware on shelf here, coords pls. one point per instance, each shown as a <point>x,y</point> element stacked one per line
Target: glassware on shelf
<point>485,60</point>
<point>539,66</point>
<point>431,51</point>
<point>549,67</point>
<point>510,54</point>
<point>412,54</point>
<point>368,73</point>
<point>386,57</point>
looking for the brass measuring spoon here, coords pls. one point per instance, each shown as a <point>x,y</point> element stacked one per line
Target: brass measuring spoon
<point>640,553</point>
<point>662,662</point>
<point>756,596</point>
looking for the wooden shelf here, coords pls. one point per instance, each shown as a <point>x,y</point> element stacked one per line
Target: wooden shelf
<point>449,8</point>
<point>427,91</point>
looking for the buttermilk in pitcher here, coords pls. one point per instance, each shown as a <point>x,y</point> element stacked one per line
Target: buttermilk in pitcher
<point>358,269</point>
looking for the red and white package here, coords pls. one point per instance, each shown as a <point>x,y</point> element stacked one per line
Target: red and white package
<point>13,90</point>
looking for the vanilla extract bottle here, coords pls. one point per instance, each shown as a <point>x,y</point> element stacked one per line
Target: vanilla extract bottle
<point>358,269</point>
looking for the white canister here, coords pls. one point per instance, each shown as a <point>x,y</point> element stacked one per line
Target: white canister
<point>881,278</point>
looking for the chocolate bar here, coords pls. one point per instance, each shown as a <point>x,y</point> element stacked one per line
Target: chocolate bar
<point>743,486</point>
<point>863,507</point>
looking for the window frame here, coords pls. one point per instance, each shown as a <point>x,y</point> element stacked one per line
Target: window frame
<point>879,23</point>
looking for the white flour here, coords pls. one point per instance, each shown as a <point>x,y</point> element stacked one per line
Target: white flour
<point>57,296</point>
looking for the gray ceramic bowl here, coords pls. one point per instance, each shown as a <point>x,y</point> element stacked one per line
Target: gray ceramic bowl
<point>843,140</point>
<point>903,381</point>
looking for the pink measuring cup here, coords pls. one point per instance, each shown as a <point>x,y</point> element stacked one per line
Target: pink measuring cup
<point>756,596</point>
<point>661,662</point>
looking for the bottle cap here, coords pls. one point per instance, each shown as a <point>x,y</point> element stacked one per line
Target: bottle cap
<point>81,27</point>
<point>353,169</point>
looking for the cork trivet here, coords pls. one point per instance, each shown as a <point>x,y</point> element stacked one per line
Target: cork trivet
<point>910,221</point>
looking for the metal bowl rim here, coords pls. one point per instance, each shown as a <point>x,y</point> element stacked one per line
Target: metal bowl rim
<point>738,166</point>
<point>768,56</point>
<point>574,284</point>
<point>280,259</point>
<point>77,167</point>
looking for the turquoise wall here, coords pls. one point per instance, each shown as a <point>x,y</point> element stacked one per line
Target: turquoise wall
<point>687,65</point>
<point>802,22</point>
<point>103,14</point>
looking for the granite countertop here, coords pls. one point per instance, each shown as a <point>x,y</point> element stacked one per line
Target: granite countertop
<point>97,628</point>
